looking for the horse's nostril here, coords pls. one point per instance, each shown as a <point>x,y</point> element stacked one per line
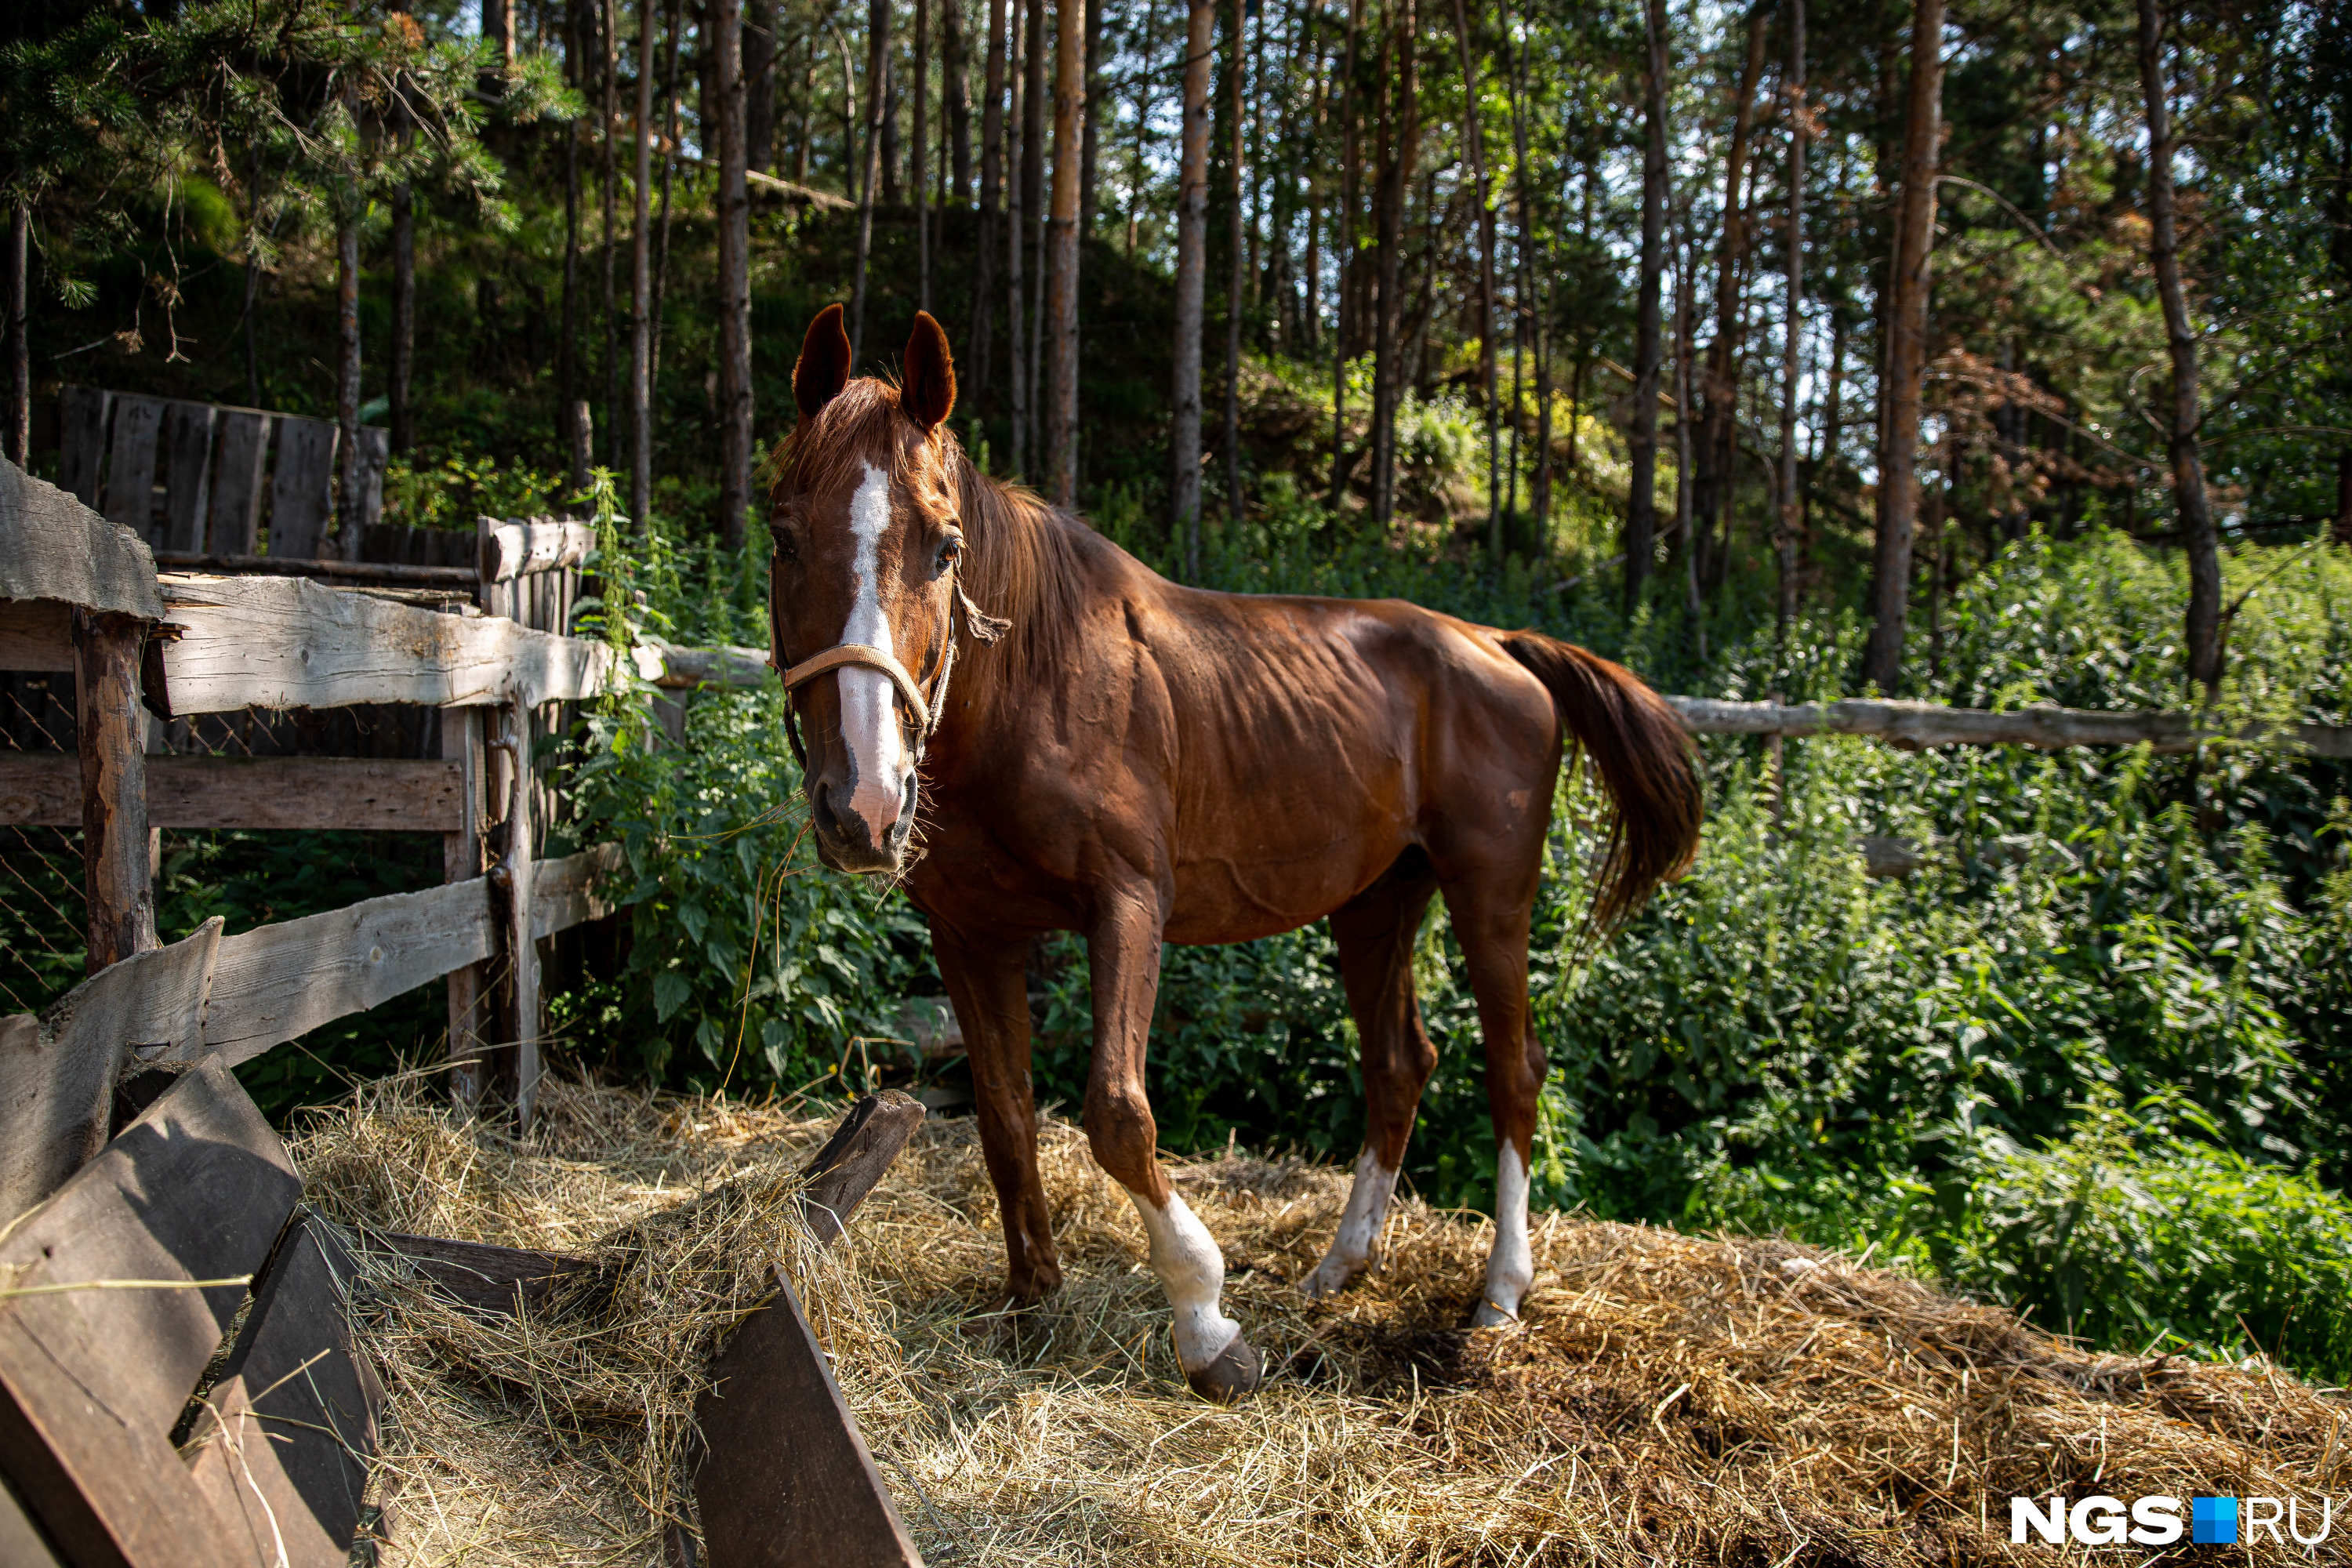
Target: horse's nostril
<point>828,821</point>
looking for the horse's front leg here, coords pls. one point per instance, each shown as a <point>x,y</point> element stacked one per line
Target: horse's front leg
<point>986,979</point>
<point>1123,953</point>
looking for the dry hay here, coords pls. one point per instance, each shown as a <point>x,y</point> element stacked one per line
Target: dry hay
<point>1666,1399</point>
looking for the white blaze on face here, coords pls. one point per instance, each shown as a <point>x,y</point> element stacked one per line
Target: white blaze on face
<point>1359,1235</point>
<point>1510,1268</point>
<point>869,703</point>
<point>1192,1271</point>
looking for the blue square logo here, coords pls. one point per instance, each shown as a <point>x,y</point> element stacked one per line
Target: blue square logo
<point>2214,1520</point>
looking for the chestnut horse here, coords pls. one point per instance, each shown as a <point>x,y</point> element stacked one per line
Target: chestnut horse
<point>1144,762</point>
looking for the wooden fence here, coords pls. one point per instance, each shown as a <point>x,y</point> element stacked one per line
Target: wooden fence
<point>154,1257</point>
<point>79,593</point>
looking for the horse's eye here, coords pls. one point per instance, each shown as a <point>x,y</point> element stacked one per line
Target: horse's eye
<point>786,548</point>
<point>950,553</point>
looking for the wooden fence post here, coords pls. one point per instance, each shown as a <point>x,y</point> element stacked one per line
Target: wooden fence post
<point>461,860</point>
<point>517,1076</point>
<point>118,876</point>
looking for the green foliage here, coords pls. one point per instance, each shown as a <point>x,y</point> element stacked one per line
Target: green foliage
<point>2135,1230</point>
<point>748,966</point>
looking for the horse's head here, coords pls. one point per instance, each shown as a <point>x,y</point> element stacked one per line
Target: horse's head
<point>862,592</point>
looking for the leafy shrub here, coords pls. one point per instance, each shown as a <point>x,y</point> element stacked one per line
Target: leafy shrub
<point>2137,1234</point>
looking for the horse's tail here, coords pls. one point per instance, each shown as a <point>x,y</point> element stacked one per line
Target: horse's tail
<point>1644,758</point>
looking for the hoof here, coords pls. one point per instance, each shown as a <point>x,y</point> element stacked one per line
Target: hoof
<point>1235,1374</point>
<point>1329,1280</point>
<point>1490,1316</point>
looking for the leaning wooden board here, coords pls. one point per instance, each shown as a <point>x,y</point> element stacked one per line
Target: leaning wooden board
<point>121,1292</point>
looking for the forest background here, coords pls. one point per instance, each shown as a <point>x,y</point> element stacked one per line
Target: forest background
<point>1991,356</point>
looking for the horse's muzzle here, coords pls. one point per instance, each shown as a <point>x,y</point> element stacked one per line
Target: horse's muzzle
<point>845,841</point>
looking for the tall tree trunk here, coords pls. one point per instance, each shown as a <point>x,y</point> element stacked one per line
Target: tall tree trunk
<point>1404,154</point>
<point>1718,455</point>
<point>1531,288</point>
<point>1343,247</point>
<point>1640,512</point>
<point>347,374</point>
<point>610,58</point>
<point>1237,81</point>
<point>1474,145</point>
<point>1192,283</point>
<point>759,84</point>
<point>955,67</point>
<point>890,164</point>
<point>1793,334</point>
<point>1035,101</point>
<point>1088,158</point>
<point>734,278</point>
<point>1062,306</point>
<point>2188,499</point>
<point>669,169</point>
<point>567,354</point>
<point>1906,351</point>
<point>920,173</point>
<point>398,362</point>
<point>878,91</point>
<point>20,350</point>
<point>1685,451</point>
<point>1016,234</point>
<point>992,198</point>
<point>641,286</point>
<point>497,31</point>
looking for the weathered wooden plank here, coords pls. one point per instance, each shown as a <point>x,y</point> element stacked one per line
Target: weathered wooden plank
<point>288,643</point>
<point>462,861</point>
<point>855,1158</point>
<point>302,487</point>
<point>684,667</point>
<point>131,462</point>
<point>53,547</point>
<point>356,573</point>
<point>488,1279</point>
<point>197,1188</point>
<point>1917,725</point>
<point>279,982</point>
<point>57,1072</point>
<point>785,1478</point>
<point>237,481</point>
<point>577,889</point>
<point>36,634</point>
<point>187,473</point>
<point>355,794</point>
<point>283,1454</point>
<point>518,548</point>
<point>83,412</point>
<point>111,734</point>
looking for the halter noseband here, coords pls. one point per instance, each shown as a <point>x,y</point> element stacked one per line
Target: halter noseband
<point>926,711</point>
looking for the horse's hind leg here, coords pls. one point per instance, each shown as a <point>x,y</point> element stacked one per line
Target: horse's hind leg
<point>1489,911</point>
<point>1375,933</point>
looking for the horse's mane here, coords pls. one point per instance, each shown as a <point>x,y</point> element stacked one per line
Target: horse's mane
<point>1021,558</point>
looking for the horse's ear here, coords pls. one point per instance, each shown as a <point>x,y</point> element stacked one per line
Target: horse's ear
<point>928,393</point>
<point>824,367</point>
